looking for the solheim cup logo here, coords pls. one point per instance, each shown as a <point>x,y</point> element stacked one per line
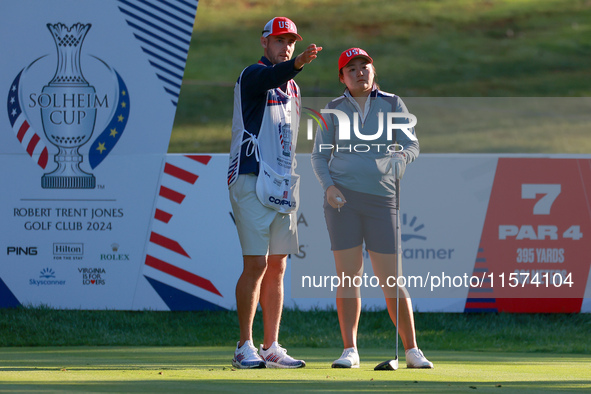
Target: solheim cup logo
<point>69,120</point>
<point>67,108</point>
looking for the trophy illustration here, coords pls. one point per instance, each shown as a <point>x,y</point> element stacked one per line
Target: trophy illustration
<point>68,111</point>
<point>286,139</point>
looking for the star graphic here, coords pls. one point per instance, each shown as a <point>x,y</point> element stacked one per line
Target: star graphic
<point>113,133</point>
<point>123,104</point>
<point>120,118</point>
<point>12,100</point>
<point>123,93</point>
<point>13,113</point>
<point>101,147</point>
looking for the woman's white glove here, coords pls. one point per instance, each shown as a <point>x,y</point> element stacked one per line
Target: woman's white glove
<point>397,165</point>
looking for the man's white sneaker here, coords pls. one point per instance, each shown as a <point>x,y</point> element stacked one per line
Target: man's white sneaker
<point>277,357</point>
<point>247,356</point>
<point>416,359</point>
<point>349,359</point>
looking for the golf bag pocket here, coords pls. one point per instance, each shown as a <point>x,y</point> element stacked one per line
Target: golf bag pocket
<point>278,192</point>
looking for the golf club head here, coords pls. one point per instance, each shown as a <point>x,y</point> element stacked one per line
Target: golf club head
<point>389,365</point>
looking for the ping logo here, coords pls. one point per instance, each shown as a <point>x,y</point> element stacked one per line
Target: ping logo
<point>22,251</point>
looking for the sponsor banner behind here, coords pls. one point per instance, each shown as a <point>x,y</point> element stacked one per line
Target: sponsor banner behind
<point>192,256</point>
<point>446,201</point>
<point>436,236</point>
<point>91,90</point>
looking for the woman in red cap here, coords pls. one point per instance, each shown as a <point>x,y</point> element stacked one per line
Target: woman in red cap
<point>358,170</point>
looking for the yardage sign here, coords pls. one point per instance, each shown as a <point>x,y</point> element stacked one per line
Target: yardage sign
<point>535,250</point>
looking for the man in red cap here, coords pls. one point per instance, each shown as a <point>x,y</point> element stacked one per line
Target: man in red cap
<point>263,187</point>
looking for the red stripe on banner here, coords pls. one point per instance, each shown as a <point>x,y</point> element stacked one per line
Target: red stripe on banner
<point>180,173</point>
<point>162,216</point>
<point>181,274</point>
<point>203,159</point>
<point>33,144</point>
<point>167,243</point>
<point>43,158</point>
<point>539,305</point>
<point>171,194</point>
<point>22,131</point>
<point>480,305</point>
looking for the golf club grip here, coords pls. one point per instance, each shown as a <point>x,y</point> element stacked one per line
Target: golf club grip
<point>398,235</point>
<point>397,186</point>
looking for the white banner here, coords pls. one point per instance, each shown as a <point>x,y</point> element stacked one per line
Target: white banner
<point>91,90</point>
<point>189,257</point>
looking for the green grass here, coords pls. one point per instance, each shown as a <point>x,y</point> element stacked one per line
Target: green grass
<point>46,350</point>
<point>427,48</point>
<point>561,333</point>
<point>207,369</point>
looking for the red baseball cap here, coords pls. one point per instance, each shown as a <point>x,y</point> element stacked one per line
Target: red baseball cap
<point>281,25</point>
<point>351,54</point>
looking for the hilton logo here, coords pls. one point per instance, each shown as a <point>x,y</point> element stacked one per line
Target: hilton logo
<point>68,251</point>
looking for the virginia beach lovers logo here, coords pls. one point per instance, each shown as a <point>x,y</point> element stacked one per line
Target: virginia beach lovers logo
<point>68,109</point>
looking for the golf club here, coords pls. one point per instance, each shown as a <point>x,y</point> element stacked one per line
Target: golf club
<point>392,365</point>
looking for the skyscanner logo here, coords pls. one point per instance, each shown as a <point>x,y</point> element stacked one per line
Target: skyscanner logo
<point>414,230</point>
<point>411,228</point>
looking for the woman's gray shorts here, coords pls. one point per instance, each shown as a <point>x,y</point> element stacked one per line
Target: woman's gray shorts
<point>365,217</point>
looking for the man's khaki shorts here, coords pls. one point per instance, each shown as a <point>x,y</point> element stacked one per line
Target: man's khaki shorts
<point>261,230</point>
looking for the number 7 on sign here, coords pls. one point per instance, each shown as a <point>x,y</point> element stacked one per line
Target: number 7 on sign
<point>550,192</point>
